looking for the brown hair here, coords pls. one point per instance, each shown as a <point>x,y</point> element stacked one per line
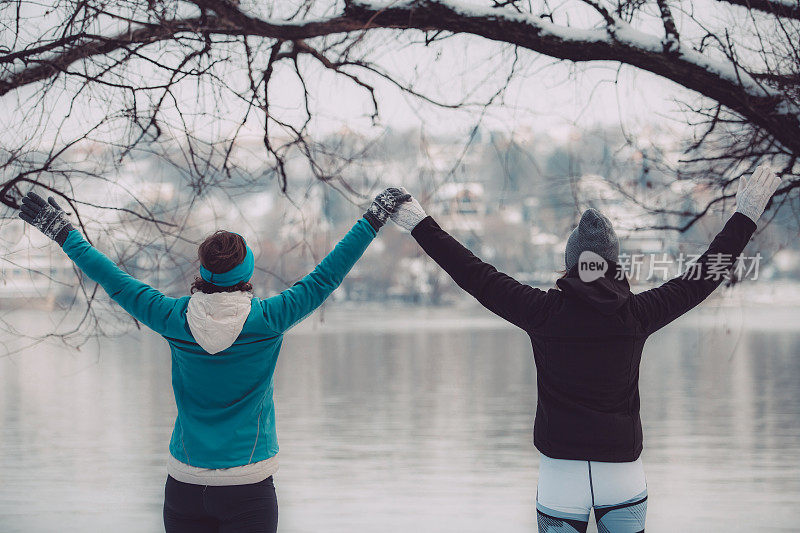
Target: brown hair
<point>220,252</point>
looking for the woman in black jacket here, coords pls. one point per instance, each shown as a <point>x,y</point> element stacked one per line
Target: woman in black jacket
<point>587,336</point>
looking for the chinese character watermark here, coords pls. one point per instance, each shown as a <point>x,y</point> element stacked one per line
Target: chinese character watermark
<point>654,267</point>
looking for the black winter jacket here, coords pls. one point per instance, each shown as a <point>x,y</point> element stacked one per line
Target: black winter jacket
<point>587,338</point>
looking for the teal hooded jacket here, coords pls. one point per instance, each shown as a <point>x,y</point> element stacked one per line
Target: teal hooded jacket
<point>226,414</point>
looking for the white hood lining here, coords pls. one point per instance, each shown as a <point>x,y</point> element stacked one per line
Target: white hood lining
<point>217,319</point>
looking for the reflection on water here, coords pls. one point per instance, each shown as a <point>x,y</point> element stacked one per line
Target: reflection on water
<point>415,424</point>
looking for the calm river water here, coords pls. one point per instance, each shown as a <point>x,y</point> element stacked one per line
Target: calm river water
<point>409,420</point>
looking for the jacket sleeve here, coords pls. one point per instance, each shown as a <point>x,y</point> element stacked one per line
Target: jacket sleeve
<point>503,295</point>
<point>657,307</point>
<point>286,309</point>
<point>140,300</point>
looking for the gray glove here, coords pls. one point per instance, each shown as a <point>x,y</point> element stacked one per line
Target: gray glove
<point>47,216</point>
<point>409,214</point>
<point>384,205</point>
<point>755,192</point>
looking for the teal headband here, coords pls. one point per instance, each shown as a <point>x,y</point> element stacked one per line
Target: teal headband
<point>241,272</point>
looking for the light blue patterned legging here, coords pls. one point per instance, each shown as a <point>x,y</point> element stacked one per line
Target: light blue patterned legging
<point>568,490</point>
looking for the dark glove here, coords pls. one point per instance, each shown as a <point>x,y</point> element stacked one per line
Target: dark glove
<point>384,205</point>
<point>47,217</point>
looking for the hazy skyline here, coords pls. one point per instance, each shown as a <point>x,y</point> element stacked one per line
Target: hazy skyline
<point>544,95</point>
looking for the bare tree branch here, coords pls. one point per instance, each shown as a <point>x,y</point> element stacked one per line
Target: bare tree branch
<point>778,8</point>
<point>717,79</point>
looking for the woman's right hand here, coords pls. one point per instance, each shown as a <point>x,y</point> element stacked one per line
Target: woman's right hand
<point>47,217</point>
<point>409,214</point>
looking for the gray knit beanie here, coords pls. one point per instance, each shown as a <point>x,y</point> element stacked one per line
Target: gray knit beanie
<point>594,233</point>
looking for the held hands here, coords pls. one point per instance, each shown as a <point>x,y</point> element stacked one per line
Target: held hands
<point>47,217</point>
<point>409,214</point>
<point>384,205</point>
<point>755,192</point>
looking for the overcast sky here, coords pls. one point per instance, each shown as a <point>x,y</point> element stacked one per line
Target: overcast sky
<point>544,95</point>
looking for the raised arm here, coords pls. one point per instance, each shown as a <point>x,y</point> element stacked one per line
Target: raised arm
<point>146,304</point>
<point>657,307</point>
<point>143,302</point>
<point>286,309</point>
<point>503,295</point>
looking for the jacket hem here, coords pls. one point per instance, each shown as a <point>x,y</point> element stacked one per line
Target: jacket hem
<point>260,455</point>
<point>221,477</point>
<point>582,455</point>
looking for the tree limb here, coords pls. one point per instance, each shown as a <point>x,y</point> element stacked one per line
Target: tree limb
<point>721,81</point>
<point>775,7</point>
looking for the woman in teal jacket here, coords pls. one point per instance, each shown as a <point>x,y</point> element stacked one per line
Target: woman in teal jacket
<point>224,344</point>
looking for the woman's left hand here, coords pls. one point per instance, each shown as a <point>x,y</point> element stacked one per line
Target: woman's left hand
<point>384,205</point>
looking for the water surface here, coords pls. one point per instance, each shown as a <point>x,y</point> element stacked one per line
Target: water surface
<point>409,420</point>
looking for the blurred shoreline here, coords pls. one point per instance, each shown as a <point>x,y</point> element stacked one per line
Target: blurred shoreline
<point>780,292</point>
<point>729,311</point>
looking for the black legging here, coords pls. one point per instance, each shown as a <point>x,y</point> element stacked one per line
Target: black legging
<point>192,508</point>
